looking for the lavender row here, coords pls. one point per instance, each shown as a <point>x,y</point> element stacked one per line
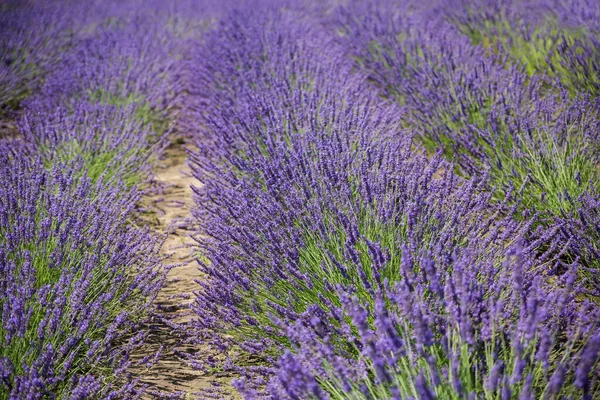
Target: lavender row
<point>348,263</point>
<point>109,89</point>
<point>79,277</point>
<point>76,277</point>
<point>491,114</point>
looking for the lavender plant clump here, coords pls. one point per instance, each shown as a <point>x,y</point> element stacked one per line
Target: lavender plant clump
<point>75,278</point>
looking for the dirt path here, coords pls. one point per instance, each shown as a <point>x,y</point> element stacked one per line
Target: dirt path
<point>170,215</point>
<point>8,128</point>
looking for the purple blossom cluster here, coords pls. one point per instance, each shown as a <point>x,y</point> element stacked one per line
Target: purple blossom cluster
<point>75,276</point>
<point>350,262</point>
<point>475,330</point>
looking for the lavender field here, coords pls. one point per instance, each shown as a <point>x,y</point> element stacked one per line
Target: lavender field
<point>300,199</point>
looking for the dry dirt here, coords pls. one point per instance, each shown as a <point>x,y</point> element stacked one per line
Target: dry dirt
<point>8,128</point>
<point>170,208</point>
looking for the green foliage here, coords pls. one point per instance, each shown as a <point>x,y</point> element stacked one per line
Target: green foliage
<point>12,93</point>
<point>552,171</point>
<point>106,162</point>
<point>552,179</point>
<point>469,369</point>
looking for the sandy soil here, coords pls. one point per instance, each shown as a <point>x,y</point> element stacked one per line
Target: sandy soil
<point>170,214</point>
<point>8,128</point>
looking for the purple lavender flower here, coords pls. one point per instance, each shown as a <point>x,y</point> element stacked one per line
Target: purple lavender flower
<point>76,278</point>
<point>475,353</point>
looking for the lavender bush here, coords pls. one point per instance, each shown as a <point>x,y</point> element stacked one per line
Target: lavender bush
<point>76,279</point>
<point>251,51</point>
<point>548,151</point>
<point>270,138</point>
<point>484,114</point>
<point>446,83</point>
<point>470,331</point>
<point>129,61</point>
